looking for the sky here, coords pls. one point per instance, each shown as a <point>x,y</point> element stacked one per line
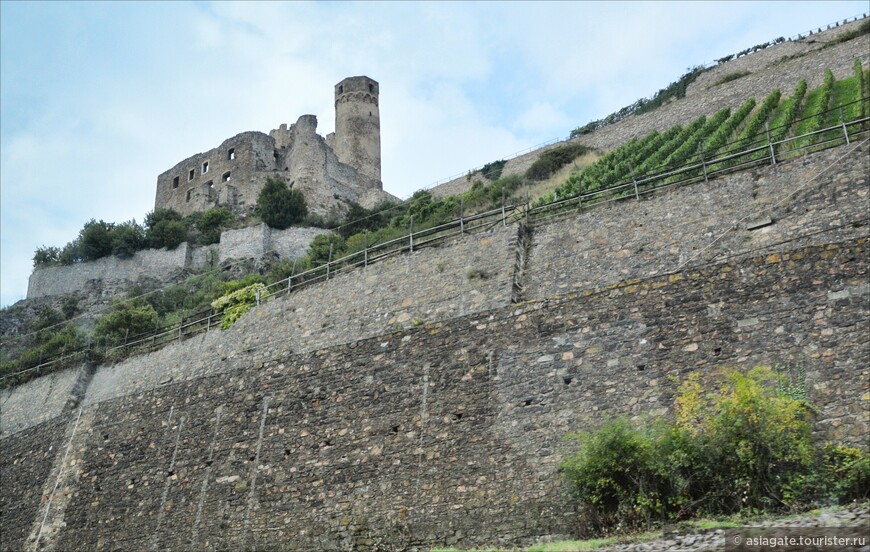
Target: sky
<point>98,98</point>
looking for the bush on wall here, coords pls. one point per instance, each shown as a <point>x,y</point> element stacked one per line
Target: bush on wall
<point>737,444</point>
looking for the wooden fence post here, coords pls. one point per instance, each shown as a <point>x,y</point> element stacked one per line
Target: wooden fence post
<point>769,144</point>
<point>703,162</point>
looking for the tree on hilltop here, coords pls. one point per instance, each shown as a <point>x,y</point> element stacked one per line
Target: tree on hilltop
<point>279,206</point>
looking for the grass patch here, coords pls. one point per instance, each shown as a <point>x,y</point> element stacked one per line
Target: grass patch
<point>731,77</point>
<point>539,189</point>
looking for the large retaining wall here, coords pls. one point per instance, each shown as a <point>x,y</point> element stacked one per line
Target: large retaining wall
<point>446,433</point>
<point>821,199</point>
<point>412,400</point>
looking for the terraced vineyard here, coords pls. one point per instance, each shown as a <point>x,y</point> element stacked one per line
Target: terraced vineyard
<point>730,140</point>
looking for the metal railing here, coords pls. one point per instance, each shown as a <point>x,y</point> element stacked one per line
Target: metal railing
<point>758,152</point>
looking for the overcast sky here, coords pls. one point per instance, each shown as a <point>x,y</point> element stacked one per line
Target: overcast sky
<point>97,99</point>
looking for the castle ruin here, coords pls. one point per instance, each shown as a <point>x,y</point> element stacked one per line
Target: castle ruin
<point>331,172</point>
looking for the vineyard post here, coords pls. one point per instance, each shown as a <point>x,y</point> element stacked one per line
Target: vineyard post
<point>580,203</point>
<point>366,249</point>
<point>503,221</point>
<point>843,122</point>
<point>528,205</point>
<point>770,144</point>
<point>411,232</point>
<point>290,279</point>
<point>634,180</point>
<point>703,162</point>
<point>328,261</point>
<point>257,291</point>
<point>461,212</point>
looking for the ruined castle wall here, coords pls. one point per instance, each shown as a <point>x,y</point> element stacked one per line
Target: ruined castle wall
<point>111,276</point>
<point>449,432</point>
<point>236,172</point>
<point>257,241</point>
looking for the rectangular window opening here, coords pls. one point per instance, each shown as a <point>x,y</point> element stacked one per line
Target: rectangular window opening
<point>188,195</point>
<point>231,154</point>
<point>205,167</point>
<point>175,182</point>
<point>190,174</point>
<point>226,177</point>
<point>210,184</point>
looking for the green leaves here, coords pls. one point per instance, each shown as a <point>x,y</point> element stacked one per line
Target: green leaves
<point>737,443</point>
<point>280,207</point>
<point>125,320</point>
<point>237,303</point>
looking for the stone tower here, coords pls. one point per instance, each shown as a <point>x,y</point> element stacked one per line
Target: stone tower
<point>358,128</point>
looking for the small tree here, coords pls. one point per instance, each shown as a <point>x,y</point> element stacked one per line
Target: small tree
<point>95,240</point>
<point>280,207</point>
<point>165,228</point>
<point>211,223</point>
<point>127,239</point>
<point>125,320</point>
<point>318,251</point>
<point>46,256</point>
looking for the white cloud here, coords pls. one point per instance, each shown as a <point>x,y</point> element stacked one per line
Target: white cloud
<point>540,119</point>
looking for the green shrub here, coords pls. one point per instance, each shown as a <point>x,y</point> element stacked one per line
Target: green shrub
<point>845,473</point>
<point>554,159</point>
<point>757,443</point>
<point>127,239</point>
<point>51,343</point>
<point>124,321</point>
<point>736,444</point>
<point>95,240</point>
<point>319,249</point>
<point>280,207</point>
<point>211,223</point>
<point>620,477</point>
<point>165,228</point>
<point>238,302</point>
<point>46,256</point>
<point>492,171</point>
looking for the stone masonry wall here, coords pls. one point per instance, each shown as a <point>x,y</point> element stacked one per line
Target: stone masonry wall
<point>807,201</point>
<point>409,401</point>
<point>448,433</point>
<point>107,274</point>
<point>111,276</point>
